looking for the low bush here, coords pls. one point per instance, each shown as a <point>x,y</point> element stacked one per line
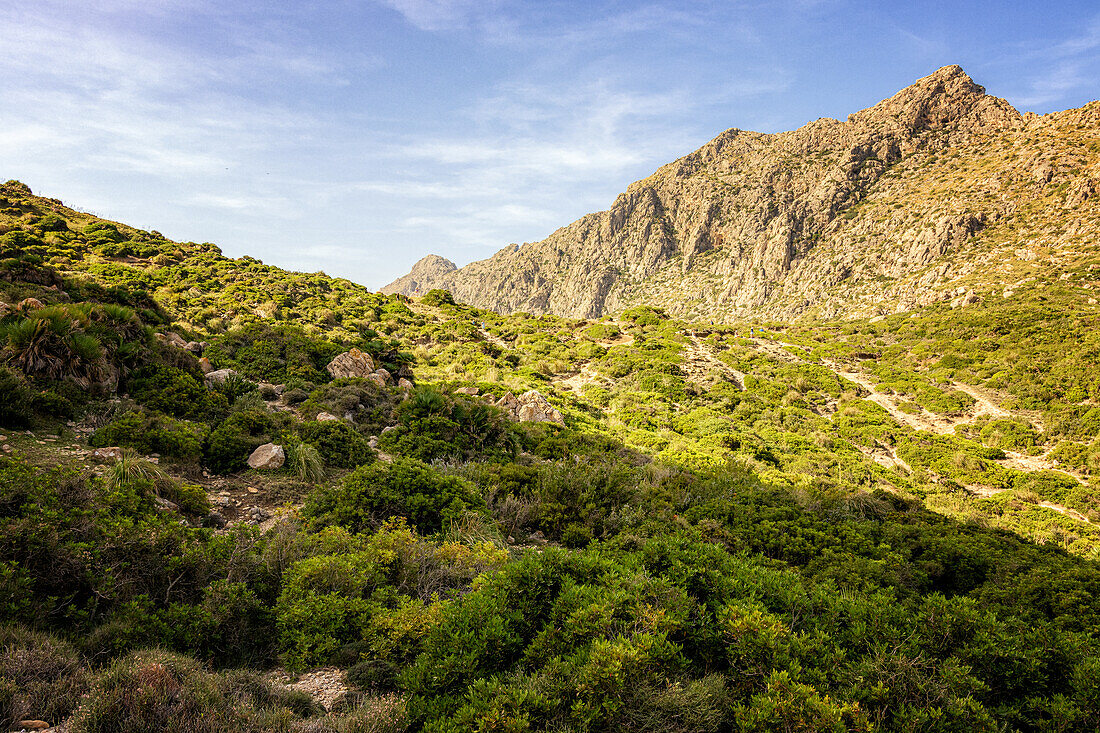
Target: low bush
<point>370,495</point>
<point>338,443</point>
<point>151,432</point>
<point>231,443</point>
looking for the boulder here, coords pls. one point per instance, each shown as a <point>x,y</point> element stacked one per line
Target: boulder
<point>176,340</point>
<point>219,376</point>
<point>373,442</point>
<point>404,383</point>
<point>32,725</point>
<point>194,347</point>
<point>385,374</point>
<point>530,407</point>
<point>352,363</point>
<point>105,454</point>
<point>29,304</point>
<point>326,417</point>
<point>377,379</point>
<point>205,365</point>
<point>267,457</point>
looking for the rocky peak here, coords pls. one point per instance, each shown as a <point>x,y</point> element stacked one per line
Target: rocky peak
<point>779,225</point>
<point>427,270</point>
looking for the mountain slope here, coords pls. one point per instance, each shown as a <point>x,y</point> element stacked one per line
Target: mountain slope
<point>898,206</point>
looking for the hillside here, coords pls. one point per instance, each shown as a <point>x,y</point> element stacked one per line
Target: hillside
<point>936,191</point>
<point>234,497</point>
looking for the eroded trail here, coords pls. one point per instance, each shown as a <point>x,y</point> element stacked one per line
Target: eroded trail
<point>987,491</point>
<point>699,360</point>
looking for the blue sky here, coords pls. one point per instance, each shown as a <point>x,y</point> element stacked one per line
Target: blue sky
<point>356,136</point>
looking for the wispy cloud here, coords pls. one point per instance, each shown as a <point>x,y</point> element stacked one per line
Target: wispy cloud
<point>1064,67</point>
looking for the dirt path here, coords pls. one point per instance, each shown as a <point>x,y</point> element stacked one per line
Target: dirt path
<point>699,361</point>
<point>495,340</point>
<point>988,491</point>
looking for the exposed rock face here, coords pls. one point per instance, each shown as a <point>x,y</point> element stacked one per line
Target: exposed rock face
<point>267,457</point>
<point>530,407</point>
<point>424,273</point>
<point>837,217</point>
<point>352,363</point>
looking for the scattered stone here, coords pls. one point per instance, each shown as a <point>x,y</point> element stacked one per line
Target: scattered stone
<point>388,428</point>
<point>113,453</point>
<point>195,347</point>
<point>267,457</point>
<point>404,384</point>
<point>377,379</point>
<point>153,459</point>
<point>205,365</point>
<point>220,501</point>
<point>472,391</point>
<point>32,725</point>
<point>372,441</point>
<point>5,309</point>
<point>326,417</point>
<point>385,374</point>
<point>219,376</point>
<point>352,363</point>
<point>253,490</point>
<point>176,340</point>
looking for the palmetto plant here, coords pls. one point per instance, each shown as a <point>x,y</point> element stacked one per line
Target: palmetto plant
<point>67,341</point>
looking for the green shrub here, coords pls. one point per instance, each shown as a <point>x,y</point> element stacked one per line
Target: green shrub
<point>338,443</point>
<point>230,444</point>
<point>150,432</point>
<point>438,297</point>
<point>371,494</point>
<point>16,399</point>
<point>174,391</point>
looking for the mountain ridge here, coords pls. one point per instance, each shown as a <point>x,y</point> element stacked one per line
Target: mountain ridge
<point>772,225</point>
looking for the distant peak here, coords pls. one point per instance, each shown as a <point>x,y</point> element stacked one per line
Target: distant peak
<point>433,264</point>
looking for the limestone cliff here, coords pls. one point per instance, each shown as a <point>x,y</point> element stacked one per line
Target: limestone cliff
<point>889,209</point>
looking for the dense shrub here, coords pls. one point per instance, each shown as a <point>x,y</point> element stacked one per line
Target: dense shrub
<point>174,391</point>
<point>434,425</point>
<point>338,443</point>
<point>231,443</point>
<point>16,399</point>
<point>371,494</point>
<point>150,432</point>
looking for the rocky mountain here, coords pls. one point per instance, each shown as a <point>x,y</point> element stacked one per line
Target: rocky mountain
<point>941,191</point>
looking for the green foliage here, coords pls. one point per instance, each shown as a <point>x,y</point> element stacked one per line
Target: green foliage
<point>16,399</point>
<point>276,354</point>
<point>371,494</point>
<point>435,425</point>
<point>337,443</point>
<point>230,444</point>
<point>438,297</point>
<point>150,432</point>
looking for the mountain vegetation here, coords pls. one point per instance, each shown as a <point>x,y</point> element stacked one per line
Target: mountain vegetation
<point>234,497</point>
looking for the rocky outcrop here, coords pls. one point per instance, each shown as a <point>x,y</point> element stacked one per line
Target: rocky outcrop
<point>837,217</point>
<point>267,457</point>
<point>353,363</point>
<point>530,407</point>
<point>421,278</point>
